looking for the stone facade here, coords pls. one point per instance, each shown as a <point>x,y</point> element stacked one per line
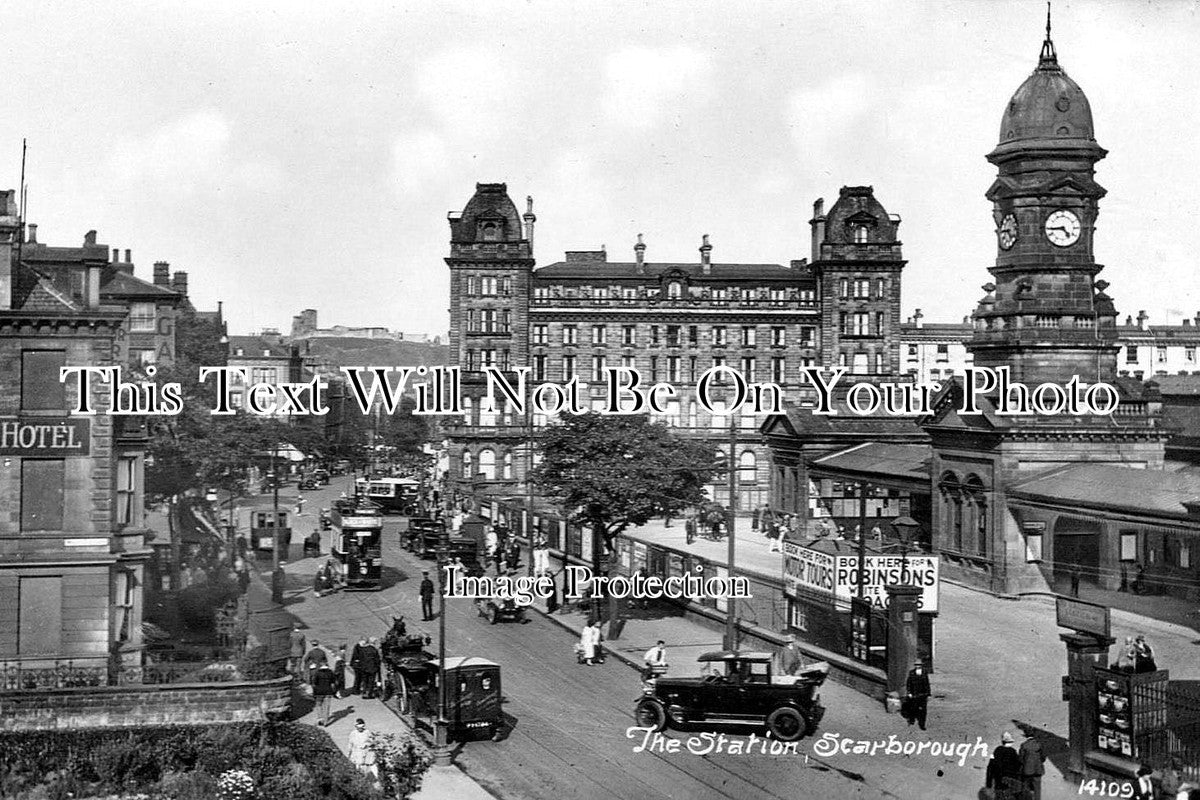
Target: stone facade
<point>72,532</point>
<point>670,321</point>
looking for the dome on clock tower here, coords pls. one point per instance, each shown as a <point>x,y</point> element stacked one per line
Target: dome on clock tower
<point>1048,105</point>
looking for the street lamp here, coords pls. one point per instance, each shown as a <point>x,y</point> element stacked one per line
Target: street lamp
<point>906,529</point>
<point>441,727</point>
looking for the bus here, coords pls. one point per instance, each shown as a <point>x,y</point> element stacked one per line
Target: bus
<point>399,495</point>
<point>358,543</point>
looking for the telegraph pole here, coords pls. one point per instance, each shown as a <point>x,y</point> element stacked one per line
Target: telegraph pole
<point>862,539</point>
<point>731,637</point>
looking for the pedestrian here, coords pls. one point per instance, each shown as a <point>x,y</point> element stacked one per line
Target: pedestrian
<point>339,671</point>
<point>1033,766</point>
<point>320,580</point>
<point>426,596</point>
<point>552,597</point>
<point>917,687</point>
<point>588,639</point>
<point>655,660</point>
<point>491,542</point>
<point>1004,770</point>
<point>315,657</point>
<point>1127,661</point>
<point>776,536</point>
<point>356,664</point>
<point>278,576</point>
<point>1170,781</point>
<point>299,505</point>
<point>1143,655</point>
<point>1144,788</point>
<point>324,687</point>
<point>359,749</point>
<point>877,533</point>
<point>789,657</point>
<point>689,529</point>
<point>298,649</point>
<point>371,662</point>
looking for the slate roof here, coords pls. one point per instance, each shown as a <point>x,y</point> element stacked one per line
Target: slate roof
<point>1121,489</point>
<point>907,461</point>
<point>127,285</point>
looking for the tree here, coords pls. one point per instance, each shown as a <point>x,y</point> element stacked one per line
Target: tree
<point>610,472</point>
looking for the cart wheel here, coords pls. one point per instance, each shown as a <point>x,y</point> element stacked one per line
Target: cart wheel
<point>492,616</point>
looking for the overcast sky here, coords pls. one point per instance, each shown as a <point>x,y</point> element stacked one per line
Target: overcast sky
<point>292,155</point>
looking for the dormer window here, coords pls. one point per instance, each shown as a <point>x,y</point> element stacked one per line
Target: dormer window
<point>491,231</point>
<point>674,290</point>
<point>860,234</point>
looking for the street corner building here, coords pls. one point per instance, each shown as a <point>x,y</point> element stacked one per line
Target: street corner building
<point>671,321</point>
<point>73,544</point>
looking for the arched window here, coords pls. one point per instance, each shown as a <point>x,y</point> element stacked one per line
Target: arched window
<point>952,509</point>
<point>674,290</point>
<point>977,526</point>
<point>466,464</point>
<point>508,465</point>
<point>487,464</point>
<point>490,231</point>
<point>860,234</point>
<point>747,468</point>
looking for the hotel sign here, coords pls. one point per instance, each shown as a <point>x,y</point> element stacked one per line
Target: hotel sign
<point>54,437</point>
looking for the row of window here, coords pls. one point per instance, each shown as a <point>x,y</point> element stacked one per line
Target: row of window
<point>859,324</point>
<point>860,288</point>
<point>861,363</point>
<point>676,290</point>
<point>1160,355</point>
<point>718,420</point>
<point>488,286</point>
<point>485,466</point>
<point>675,335</point>
<point>489,320</point>
<point>673,369</point>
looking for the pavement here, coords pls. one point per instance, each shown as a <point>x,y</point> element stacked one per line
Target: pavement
<point>439,782</point>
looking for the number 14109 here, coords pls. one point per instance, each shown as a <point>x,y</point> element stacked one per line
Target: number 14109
<point>1097,788</point>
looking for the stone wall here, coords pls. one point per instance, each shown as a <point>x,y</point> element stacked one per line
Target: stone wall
<point>130,706</point>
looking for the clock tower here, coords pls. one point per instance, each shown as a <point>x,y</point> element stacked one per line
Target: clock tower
<point>1045,315</point>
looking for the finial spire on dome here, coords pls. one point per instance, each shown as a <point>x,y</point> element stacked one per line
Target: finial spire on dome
<point>1049,56</point>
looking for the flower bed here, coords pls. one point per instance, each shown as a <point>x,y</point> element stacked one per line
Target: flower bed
<point>282,761</point>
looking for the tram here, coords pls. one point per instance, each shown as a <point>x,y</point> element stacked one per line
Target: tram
<point>357,543</point>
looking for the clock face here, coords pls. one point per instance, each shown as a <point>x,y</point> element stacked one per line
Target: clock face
<point>1008,232</point>
<point>1062,228</point>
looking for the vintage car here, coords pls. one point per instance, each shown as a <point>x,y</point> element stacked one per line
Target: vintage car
<point>740,689</point>
<point>498,609</point>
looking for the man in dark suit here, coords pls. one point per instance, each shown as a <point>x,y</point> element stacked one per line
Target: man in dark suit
<point>370,669</point>
<point>426,597</point>
<point>1033,762</point>
<point>356,664</point>
<point>917,687</point>
<point>1004,770</point>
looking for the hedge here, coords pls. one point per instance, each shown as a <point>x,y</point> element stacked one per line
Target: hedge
<point>287,761</point>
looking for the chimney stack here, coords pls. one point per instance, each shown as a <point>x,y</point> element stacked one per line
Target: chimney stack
<point>179,283</point>
<point>162,274</point>
<point>818,228</point>
<point>917,317</point>
<point>529,218</point>
<point>1196,320</point>
<point>639,253</point>
<point>128,256</point>
<point>116,256</point>
<point>32,234</point>
<point>705,255</point>
<point>1142,318</point>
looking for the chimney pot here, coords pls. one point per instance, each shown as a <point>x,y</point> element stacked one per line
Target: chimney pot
<point>162,273</point>
<point>180,282</point>
<point>32,233</point>
<point>89,237</point>
<point>116,256</point>
<point>129,256</point>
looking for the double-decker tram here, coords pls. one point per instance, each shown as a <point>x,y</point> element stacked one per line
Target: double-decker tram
<point>357,528</point>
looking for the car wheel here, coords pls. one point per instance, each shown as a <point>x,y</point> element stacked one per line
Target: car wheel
<point>787,724</point>
<point>492,617</point>
<point>650,714</point>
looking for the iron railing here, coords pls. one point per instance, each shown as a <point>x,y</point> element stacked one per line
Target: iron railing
<point>67,674</point>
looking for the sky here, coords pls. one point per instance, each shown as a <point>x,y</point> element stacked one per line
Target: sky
<point>300,155</point>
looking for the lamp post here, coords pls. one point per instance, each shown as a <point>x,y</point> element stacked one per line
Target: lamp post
<point>862,540</point>
<point>906,529</point>
<point>731,638</point>
<point>441,727</point>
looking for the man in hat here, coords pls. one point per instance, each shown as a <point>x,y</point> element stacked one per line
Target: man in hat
<point>789,657</point>
<point>917,687</point>
<point>324,686</point>
<point>299,646</point>
<point>1004,770</point>
<point>655,659</point>
<point>1033,761</point>
<point>426,596</point>
<point>278,577</point>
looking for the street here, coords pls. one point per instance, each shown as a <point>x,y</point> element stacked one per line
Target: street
<point>569,724</point>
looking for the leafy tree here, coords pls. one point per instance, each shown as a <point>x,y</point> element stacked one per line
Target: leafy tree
<point>610,472</point>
